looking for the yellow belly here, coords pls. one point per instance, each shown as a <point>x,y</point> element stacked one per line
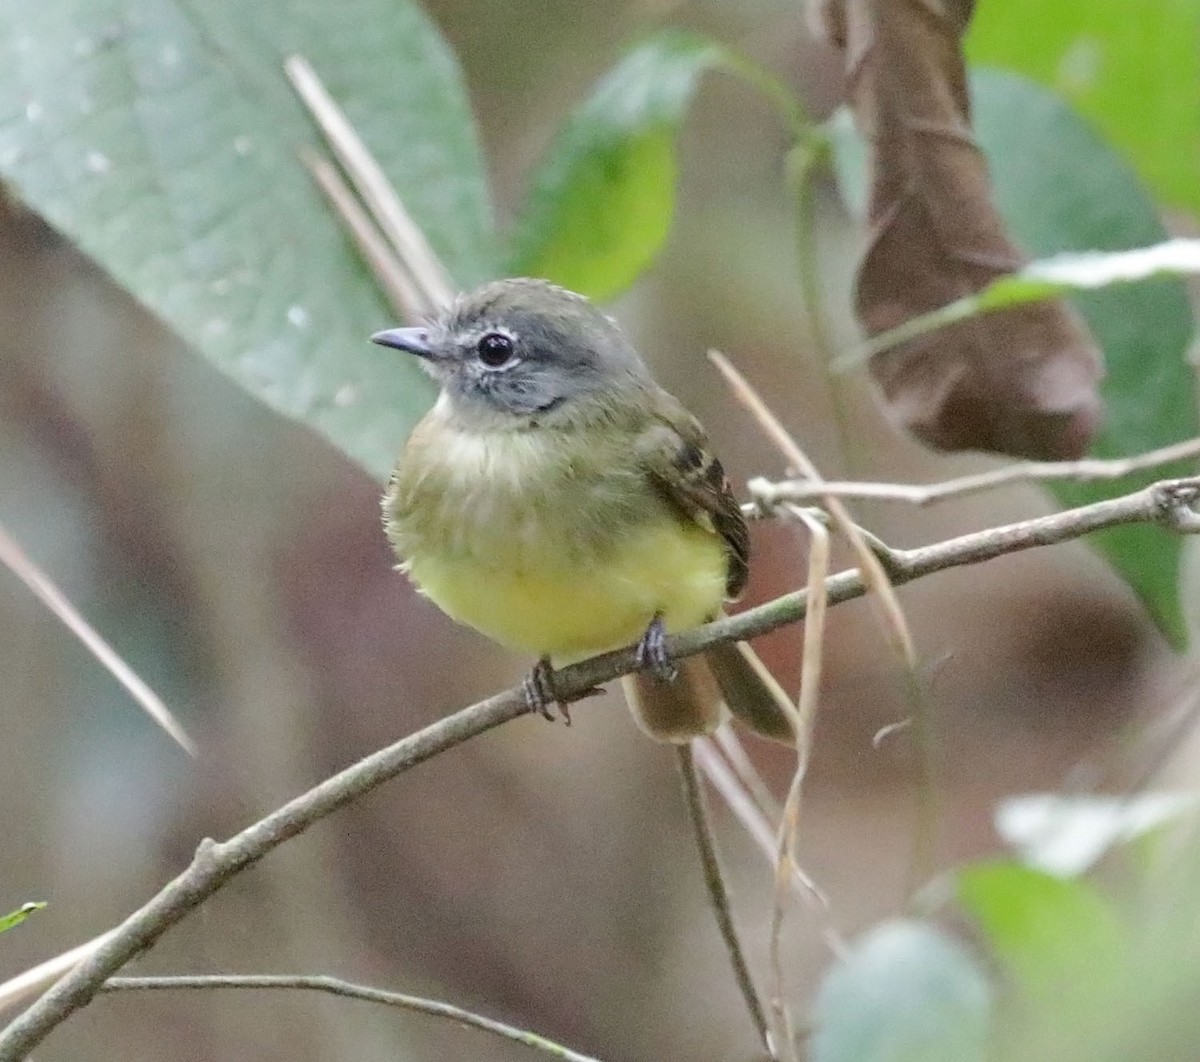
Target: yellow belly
<point>569,611</point>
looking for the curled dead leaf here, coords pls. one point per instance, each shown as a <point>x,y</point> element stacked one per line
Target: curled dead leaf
<point>1023,381</point>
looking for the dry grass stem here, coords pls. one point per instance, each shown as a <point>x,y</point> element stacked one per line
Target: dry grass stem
<point>733,750</point>
<point>787,839</point>
<point>397,284</point>
<point>877,579</point>
<point>15,559</point>
<point>867,551</point>
<point>738,799</point>
<point>372,184</point>
<point>31,982</point>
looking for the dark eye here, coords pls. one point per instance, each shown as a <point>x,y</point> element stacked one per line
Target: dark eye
<point>495,349</point>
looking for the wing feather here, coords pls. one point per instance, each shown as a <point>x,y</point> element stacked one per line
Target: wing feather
<point>688,474</point>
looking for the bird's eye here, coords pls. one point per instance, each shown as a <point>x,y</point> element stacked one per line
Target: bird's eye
<point>495,349</point>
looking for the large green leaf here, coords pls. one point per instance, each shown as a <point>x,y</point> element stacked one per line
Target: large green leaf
<point>161,136</point>
<point>1060,188</point>
<point>601,202</point>
<point>1131,66</point>
<point>905,993</point>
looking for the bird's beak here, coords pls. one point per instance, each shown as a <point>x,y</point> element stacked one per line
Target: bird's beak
<point>411,340</point>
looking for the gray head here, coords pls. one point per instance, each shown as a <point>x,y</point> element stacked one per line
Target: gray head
<point>522,348</point>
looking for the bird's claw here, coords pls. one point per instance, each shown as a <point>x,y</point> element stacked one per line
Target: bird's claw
<point>539,691</point>
<point>652,651</point>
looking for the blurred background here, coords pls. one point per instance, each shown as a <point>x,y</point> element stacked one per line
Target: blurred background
<point>540,874</point>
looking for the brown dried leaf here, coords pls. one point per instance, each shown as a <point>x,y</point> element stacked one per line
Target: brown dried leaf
<point>1021,382</point>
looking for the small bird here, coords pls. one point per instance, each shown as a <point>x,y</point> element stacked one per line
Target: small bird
<point>562,503</point>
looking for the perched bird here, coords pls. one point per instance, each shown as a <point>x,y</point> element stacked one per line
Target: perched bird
<point>561,502</point>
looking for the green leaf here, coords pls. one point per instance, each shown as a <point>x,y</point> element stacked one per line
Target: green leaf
<point>1059,188</point>
<point>1047,278</point>
<point>161,136</point>
<point>15,918</point>
<point>905,993</point>
<point>1067,835</point>
<point>1133,70</point>
<point>602,200</point>
<point>1060,940</point>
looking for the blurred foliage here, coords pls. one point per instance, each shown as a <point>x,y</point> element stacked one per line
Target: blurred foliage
<point>601,203</point>
<point>1133,69</point>
<point>1052,936</point>
<point>906,992</point>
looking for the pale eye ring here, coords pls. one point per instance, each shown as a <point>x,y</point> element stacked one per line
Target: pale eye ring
<point>495,348</point>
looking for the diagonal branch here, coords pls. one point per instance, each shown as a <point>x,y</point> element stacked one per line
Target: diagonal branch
<point>1169,504</point>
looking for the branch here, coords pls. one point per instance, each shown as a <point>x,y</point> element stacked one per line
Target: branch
<point>768,494</point>
<point>337,987</point>
<point>718,895</point>
<point>1168,504</point>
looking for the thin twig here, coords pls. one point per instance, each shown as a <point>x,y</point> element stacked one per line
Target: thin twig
<point>805,716</point>
<point>1168,504</point>
<point>1090,468</point>
<point>337,987</point>
<point>718,895</point>
<point>15,559</point>
<point>373,186</point>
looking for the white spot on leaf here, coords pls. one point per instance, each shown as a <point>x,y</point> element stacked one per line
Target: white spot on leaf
<point>346,395</point>
<point>298,316</point>
<point>1081,65</point>
<point>97,162</point>
<point>243,145</point>
<point>33,112</point>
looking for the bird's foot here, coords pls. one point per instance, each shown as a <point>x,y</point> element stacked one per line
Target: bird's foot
<point>540,693</point>
<point>652,651</point>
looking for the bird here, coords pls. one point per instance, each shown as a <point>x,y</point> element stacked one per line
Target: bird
<point>561,502</point>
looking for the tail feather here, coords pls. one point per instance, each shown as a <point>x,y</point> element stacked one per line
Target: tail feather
<point>751,691</point>
<point>678,711</point>
<point>695,703</point>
